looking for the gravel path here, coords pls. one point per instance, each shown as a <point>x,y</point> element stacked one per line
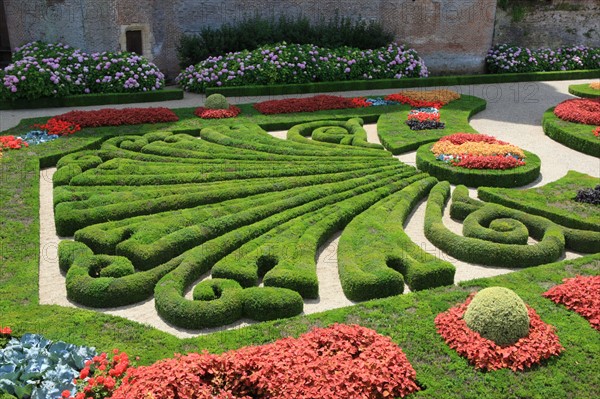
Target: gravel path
<point>513,114</point>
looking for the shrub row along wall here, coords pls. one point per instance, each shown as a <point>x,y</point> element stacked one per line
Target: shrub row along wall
<point>151,214</point>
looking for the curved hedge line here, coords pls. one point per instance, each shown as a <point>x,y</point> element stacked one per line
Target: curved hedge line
<point>546,201</point>
<point>476,250</point>
<point>584,90</point>
<point>574,135</point>
<point>349,132</point>
<point>397,137</point>
<point>516,177</point>
<point>376,256</point>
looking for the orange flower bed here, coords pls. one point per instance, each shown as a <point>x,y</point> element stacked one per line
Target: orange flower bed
<point>438,96</point>
<point>595,85</point>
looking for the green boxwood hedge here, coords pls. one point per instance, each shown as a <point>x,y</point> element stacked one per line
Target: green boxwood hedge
<point>577,136</point>
<point>584,90</point>
<point>516,177</point>
<point>376,256</point>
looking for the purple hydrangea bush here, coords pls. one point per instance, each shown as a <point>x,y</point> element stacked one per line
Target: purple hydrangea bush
<point>294,63</point>
<point>509,59</point>
<point>56,70</point>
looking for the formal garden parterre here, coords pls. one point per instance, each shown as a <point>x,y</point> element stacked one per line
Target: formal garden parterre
<point>153,210</point>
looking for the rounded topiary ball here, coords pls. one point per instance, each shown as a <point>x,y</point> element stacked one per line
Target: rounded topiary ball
<point>216,101</point>
<point>498,314</point>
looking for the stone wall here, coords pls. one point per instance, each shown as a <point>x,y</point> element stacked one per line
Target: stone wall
<point>451,35</point>
<point>557,23</point>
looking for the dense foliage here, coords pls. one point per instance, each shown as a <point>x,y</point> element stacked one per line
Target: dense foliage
<point>541,343</point>
<point>256,31</point>
<point>580,294</point>
<point>294,63</point>
<point>504,58</point>
<point>58,70</point>
<point>589,195</point>
<point>37,368</point>
<point>118,117</point>
<point>579,110</point>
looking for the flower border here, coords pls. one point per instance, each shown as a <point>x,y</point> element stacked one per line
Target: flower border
<point>541,343</point>
<point>580,294</point>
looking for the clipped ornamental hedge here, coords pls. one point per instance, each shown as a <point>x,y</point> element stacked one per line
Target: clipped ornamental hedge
<point>584,90</point>
<point>516,177</point>
<point>376,256</point>
<point>574,135</point>
<point>478,250</point>
<point>349,132</point>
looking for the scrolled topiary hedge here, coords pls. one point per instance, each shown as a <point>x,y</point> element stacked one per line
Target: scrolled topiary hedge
<point>574,135</point>
<point>476,250</point>
<point>376,256</point>
<point>584,90</point>
<point>349,132</point>
<point>516,177</point>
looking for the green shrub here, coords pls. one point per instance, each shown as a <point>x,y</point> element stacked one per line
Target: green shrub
<point>270,303</point>
<point>498,314</point>
<point>376,257</point>
<point>574,135</point>
<point>462,204</point>
<point>516,177</point>
<point>348,132</point>
<point>216,101</point>
<point>252,32</point>
<point>475,250</point>
<point>584,90</point>
<point>68,251</point>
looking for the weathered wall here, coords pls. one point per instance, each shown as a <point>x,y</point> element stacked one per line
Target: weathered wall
<point>451,35</point>
<point>557,23</point>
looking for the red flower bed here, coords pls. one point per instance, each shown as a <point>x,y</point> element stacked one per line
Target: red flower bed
<point>579,110</point>
<point>309,104</point>
<point>360,102</point>
<point>541,343</point>
<point>400,98</point>
<point>12,143</point>
<point>336,362</point>
<point>5,330</point>
<point>206,113</point>
<point>59,127</point>
<point>488,162</point>
<point>118,117</point>
<point>461,138</point>
<point>597,132</point>
<point>580,294</point>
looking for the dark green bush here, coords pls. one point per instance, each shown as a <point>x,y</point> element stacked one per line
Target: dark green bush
<point>68,251</point>
<point>270,303</point>
<point>255,31</point>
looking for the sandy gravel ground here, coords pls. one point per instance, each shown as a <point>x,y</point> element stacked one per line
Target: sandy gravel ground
<point>513,114</point>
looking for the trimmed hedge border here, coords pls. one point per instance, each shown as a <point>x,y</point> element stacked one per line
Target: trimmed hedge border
<point>513,199</point>
<point>516,177</point>
<point>476,250</point>
<point>355,85</point>
<point>564,132</point>
<point>376,256</point>
<point>94,99</point>
<point>584,90</point>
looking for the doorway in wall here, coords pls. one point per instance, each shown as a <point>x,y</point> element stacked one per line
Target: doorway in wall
<point>5,52</point>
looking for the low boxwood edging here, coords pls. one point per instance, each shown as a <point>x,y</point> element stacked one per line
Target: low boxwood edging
<point>81,100</point>
<point>516,177</point>
<point>355,85</point>
<point>584,90</point>
<point>481,251</point>
<point>574,135</point>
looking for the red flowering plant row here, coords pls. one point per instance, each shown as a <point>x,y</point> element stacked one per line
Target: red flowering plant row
<point>477,151</point>
<point>541,343</point>
<point>101,376</point>
<point>206,113</point>
<point>309,104</point>
<point>415,103</point>
<point>580,294</point>
<point>340,361</point>
<point>579,110</point>
<point>12,143</point>
<point>59,127</point>
<point>118,117</point>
